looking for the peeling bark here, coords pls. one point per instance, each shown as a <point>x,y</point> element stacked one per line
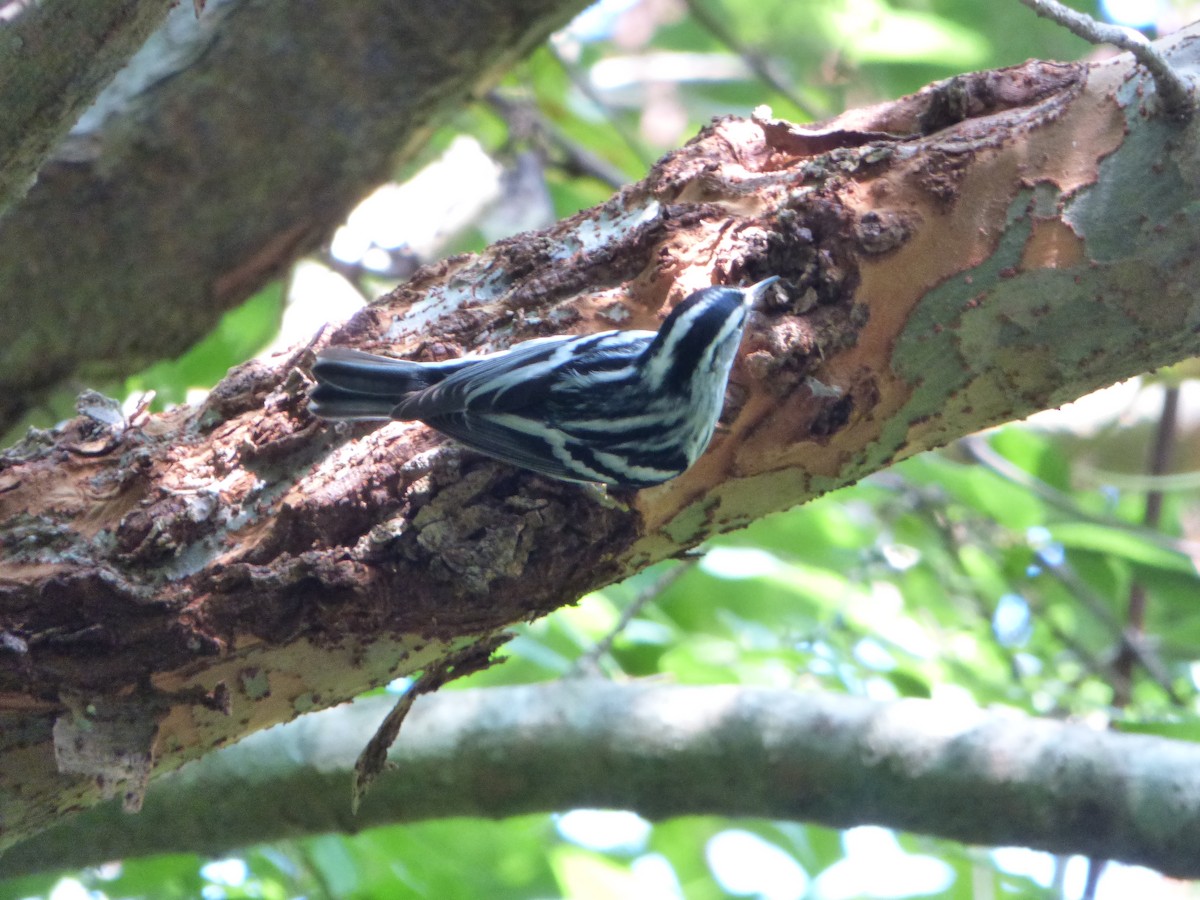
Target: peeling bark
<point>988,247</point>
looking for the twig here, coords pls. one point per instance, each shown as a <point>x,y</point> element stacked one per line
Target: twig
<point>751,58</point>
<point>581,84</point>
<point>1096,867</point>
<point>978,449</point>
<point>1160,457</point>
<point>1130,643</point>
<point>589,662</point>
<point>371,761</point>
<point>1175,91</point>
<point>526,121</point>
<point>1139,483</point>
<point>1131,638</point>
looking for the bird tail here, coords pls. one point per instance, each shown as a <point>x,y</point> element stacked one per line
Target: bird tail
<point>352,384</point>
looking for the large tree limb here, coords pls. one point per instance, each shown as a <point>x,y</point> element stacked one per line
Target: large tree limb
<point>54,59</point>
<point>232,144</point>
<point>952,771</point>
<point>994,245</point>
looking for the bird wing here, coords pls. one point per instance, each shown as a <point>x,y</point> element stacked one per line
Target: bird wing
<point>522,377</point>
<point>506,405</point>
<point>511,438</point>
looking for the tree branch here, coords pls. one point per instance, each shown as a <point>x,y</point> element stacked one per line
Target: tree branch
<point>673,751</point>
<point>230,146</point>
<point>55,58</point>
<point>990,246</point>
<point>1177,93</point>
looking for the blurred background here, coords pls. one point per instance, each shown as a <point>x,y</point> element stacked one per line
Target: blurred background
<point>1048,567</point>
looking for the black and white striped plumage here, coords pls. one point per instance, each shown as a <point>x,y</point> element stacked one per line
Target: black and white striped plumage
<point>629,408</point>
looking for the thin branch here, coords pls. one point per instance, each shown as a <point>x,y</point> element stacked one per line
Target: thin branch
<point>1132,644</point>
<point>589,662</point>
<point>752,59</point>
<point>581,84</point>
<point>526,121</point>
<point>1175,91</point>
<point>978,449</point>
<point>473,658</point>
<point>1094,476</point>
<point>1157,464</point>
<point>1134,632</point>
<point>1096,868</point>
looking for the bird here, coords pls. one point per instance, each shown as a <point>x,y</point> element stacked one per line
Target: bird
<point>626,408</point>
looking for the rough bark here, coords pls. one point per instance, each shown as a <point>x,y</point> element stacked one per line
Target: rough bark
<point>944,769</point>
<point>991,246</point>
<point>232,144</point>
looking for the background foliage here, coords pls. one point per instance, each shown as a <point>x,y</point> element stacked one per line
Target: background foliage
<point>1019,568</point>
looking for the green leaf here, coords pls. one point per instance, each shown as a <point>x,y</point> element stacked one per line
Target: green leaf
<point>1123,543</point>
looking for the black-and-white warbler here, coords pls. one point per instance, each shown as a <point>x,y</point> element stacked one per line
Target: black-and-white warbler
<point>628,408</point>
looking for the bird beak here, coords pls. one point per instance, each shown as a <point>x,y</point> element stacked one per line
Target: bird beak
<point>755,291</point>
